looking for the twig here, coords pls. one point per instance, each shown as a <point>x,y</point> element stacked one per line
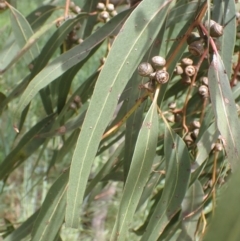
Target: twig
<point>66,8</point>
<point>124,119</point>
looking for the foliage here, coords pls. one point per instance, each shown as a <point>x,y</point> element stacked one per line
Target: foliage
<point>150,152</point>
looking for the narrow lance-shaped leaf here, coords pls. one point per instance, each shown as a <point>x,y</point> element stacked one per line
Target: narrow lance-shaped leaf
<point>39,16</point>
<point>177,179</point>
<point>204,145</point>
<point>67,60</point>
<point>51,214</point>
<point>22,31</point>
<point>191,210</point>
<point>53,43</point>
<point>224,14</point>
<point>133,123</point>
<point>139,171</point>
<point>24,230</point>
<point>29,143</point>
<point>224,109</point>
<point>89,23</point>
<point>136,35</point>
<point>35,19</point>
<point>106,168</point>
<point>224,225</point>
<point>182,11</point>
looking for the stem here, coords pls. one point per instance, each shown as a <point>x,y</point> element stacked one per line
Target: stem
<point>66,8</point>
<point>203,110</point>
<point>124,119</point>
<point>214,179</point>
<point>210,38</point>
<point>158,108</point>
<point>190,90</point>
<point>183,40</point>
<point>236,70</point>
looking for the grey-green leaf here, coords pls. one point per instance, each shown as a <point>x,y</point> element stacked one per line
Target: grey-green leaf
<point>177,179</point>
<point>24,230</point>
<point>51,214</point>
<point>23,31</point>
<point>224,109</point>
<point>139,171</point>
<point>136,35</point>
<point>191,210</point>
<point>64,62</point>
<point>224,226</point>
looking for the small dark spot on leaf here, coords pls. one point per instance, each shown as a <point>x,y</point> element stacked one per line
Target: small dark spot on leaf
<point>173,146</point>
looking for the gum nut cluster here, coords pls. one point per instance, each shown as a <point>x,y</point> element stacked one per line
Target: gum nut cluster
<point>186,70</point>
<point>154,70</point>
<point>74,8</point>
<point>105,11</point>
<point>196,44</point>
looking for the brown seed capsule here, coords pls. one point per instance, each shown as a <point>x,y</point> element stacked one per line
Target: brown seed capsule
<point>172,105</point>
<point>104,15</point>
<point>171,118</point>
<point>215,29</point>
<point>73,106</point>
<point>158,62</point>
<point>145,69</point>
<point>77,26</point>
<point>110,7</point>
<point>162,76</point>
<point>218,147</point>
<point>196,48</point>
<point>190,70</point>
<point>188,139</point>
<point>150,86</point>
<point>203,91</point>
<point>187,61</point>
<point>186,79</point>
<point>77,9</point>
<point>72,5</point>
<point>77,99</point>
<point>196,124</point>
<point>192,37</point>
<point>113,13</point>
<point>80,41</point>
<point>178,70</point>
<point>3,5</point>
<point>62,129</point>
<point>195,133</point>
<point>73,38</point>
<point>204,80</point>
<point>101,6</point>
<point>178,117</point>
